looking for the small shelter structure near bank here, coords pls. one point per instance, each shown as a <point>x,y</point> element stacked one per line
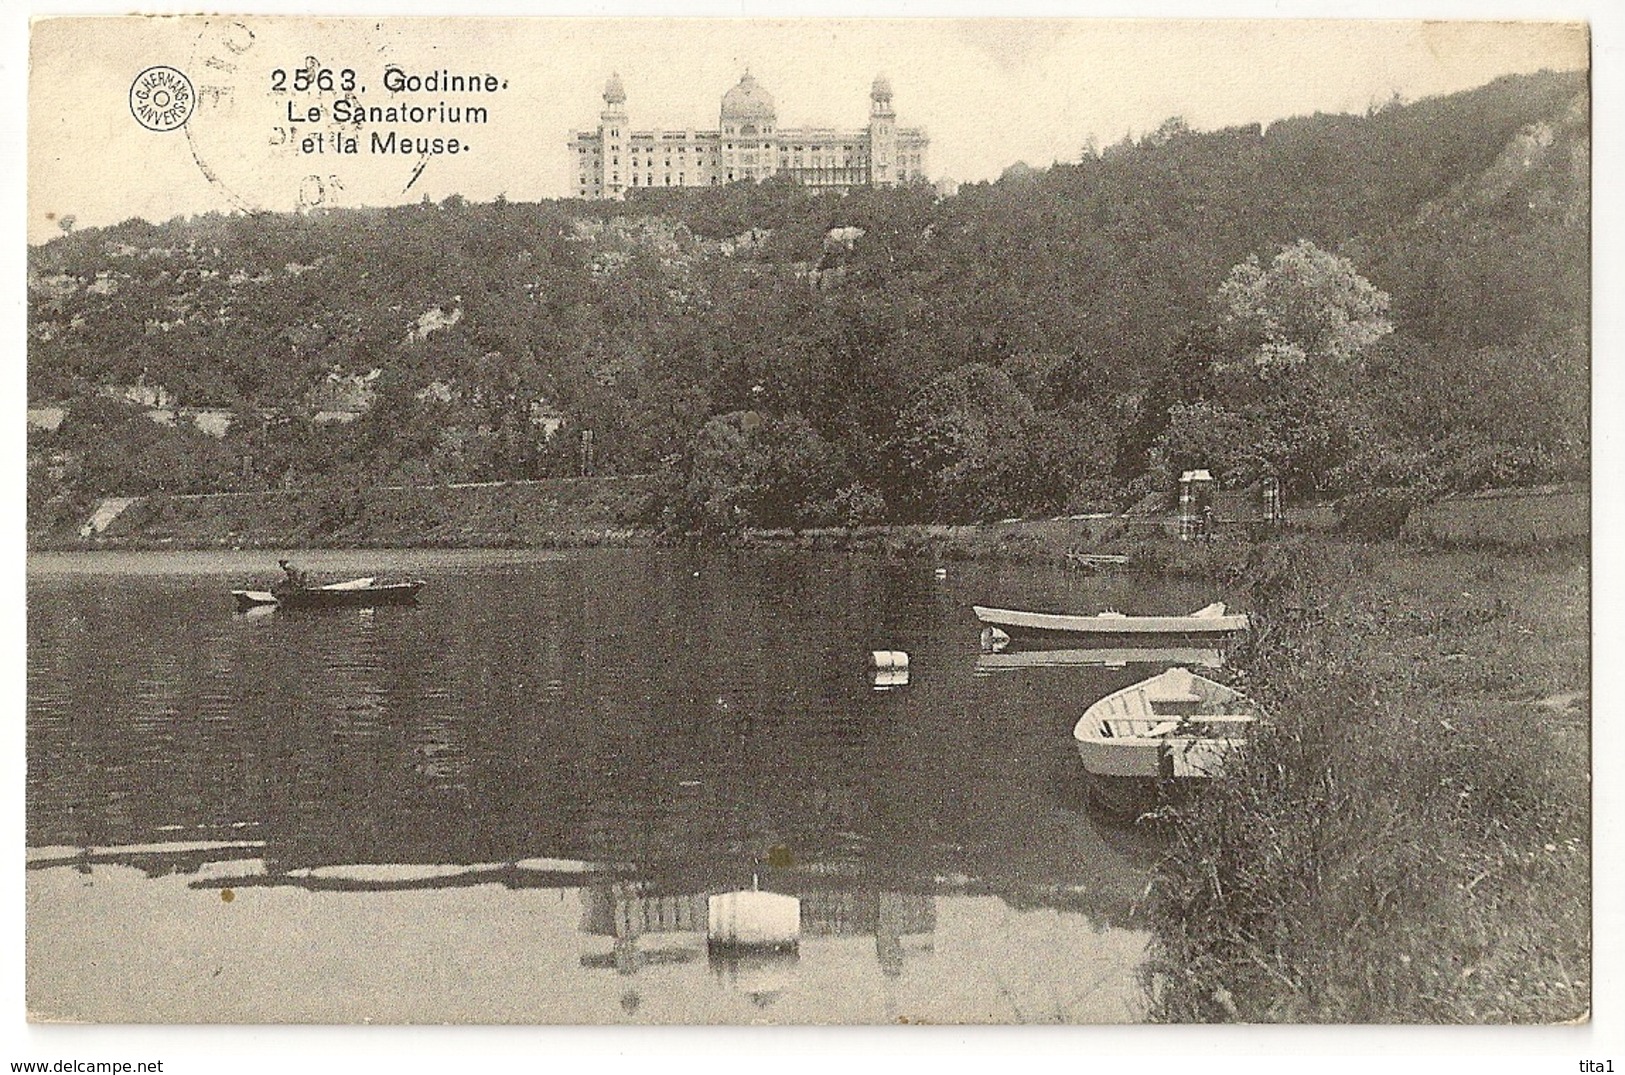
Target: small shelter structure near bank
<point>1204,508</point>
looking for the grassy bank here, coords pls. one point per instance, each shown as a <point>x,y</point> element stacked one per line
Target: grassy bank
<point>1150,548</point>
<point>1410,841</point>
<point>564,513</point>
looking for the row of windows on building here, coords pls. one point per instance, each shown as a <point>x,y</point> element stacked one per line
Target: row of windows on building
<point>730,130</point>
<point>907,160</point>
<point>584,150</point>
<point>843,175</point>
<point>814,168</point>
<point>649,181</point>
<point>785,164</point>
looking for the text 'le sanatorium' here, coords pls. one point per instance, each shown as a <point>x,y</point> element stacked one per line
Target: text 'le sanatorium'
<point>335,124</point>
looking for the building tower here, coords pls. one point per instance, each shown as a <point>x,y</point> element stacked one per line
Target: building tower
<point>748,123</point>
<point>882,134</point>
<point>613,129</point>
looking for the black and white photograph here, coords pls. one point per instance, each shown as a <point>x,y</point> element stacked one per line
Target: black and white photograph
<point>806,522</point>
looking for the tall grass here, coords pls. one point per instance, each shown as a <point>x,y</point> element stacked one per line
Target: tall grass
<point>1409,839</point>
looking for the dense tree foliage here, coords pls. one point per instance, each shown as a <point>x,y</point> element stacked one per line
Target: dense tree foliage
<point>1339,301</point>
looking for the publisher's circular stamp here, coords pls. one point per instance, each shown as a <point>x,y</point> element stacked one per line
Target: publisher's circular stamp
<point>162,98</point>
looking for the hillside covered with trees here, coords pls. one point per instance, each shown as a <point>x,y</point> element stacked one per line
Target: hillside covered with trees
<point>1399,299</point>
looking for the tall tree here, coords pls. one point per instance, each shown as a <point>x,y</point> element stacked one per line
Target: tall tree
<point>1308,307</point>
<point>1288,336</point>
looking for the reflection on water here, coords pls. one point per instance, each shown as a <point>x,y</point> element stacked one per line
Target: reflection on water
<point>553,762</point>
<point>628,913</point>
<point>222,938</point>
<point>1100,657</point>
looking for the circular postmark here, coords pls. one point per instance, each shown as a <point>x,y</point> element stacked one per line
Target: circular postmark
<point>162,98</point>
<point>284,107</point>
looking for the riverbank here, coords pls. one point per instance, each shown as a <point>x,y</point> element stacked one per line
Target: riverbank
<point>572,513</point>
<point>1410,842</point>
<point>557,513</point>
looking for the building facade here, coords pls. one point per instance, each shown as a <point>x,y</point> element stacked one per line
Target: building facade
<point>747,144</point>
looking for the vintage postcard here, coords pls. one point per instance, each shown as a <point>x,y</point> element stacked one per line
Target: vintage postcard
<point>808,521</point>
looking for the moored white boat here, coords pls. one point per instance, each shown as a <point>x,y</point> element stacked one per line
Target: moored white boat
<point>1003,626</point>
<point>1176,726</point>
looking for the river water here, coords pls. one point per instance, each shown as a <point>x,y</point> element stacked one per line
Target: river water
<point>510,803</point>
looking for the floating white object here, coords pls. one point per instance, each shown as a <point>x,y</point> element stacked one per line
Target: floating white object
<point>888,660</point>
<point>749,919</point>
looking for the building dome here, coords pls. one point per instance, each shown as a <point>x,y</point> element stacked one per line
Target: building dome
<point>614,92</point>
<point>747,101</point>
<point>881,90</point>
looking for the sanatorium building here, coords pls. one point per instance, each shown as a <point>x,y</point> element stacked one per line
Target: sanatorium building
<point>748,144</point>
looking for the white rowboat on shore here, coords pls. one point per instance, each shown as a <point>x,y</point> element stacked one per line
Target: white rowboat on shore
<point>1175,726</point>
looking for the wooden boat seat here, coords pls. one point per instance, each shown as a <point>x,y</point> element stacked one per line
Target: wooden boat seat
<point>1137,729</point>
<point>1133,707</point>
<point>1131,716</point>
<point>1174,687</point>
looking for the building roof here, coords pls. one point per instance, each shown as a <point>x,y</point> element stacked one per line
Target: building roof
<point>614,92</point>
<point>881,90</point>
<point>747,101</point>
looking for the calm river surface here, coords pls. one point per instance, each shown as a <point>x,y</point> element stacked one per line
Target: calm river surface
<point>510,803</point>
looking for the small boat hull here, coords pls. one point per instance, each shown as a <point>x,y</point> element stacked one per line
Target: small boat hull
<point>340,595</point>
<point>1055,630</point>
<point>1137,758</point>
<point>1170,758</point>
<point>1171,730</point>
<point>395,593</point>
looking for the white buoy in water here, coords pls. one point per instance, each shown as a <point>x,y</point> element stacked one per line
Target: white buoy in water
<point>888,668</point>
<point>750,919</point>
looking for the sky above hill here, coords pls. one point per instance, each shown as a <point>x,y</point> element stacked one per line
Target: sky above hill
<point>989,92</point>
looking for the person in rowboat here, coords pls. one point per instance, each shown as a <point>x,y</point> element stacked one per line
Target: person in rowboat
<point>294,578</point>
